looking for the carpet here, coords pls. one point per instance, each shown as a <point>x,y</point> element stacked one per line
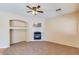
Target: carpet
<point>40,48</point>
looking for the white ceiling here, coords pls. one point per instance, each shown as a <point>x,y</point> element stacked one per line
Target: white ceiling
<point>48,8</point>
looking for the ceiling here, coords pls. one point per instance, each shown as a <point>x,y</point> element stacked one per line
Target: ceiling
<point>48,8</point>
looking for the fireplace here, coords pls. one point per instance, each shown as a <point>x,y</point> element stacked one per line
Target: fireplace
<point>37,35</point>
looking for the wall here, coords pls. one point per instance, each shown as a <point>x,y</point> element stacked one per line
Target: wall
<point>4,37</point>
<point>63,29</point>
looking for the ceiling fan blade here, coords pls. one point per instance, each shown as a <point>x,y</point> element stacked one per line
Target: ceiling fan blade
<point>29,11</point>
<point>28,7</point>
<point>38,6</point>
<point>40,11</point>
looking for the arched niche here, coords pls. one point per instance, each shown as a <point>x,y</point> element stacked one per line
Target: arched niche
<point>18,23</point>
<point>18,30</point>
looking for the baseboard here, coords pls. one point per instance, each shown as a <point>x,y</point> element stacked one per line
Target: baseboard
<point>5,47</point>
<point>63,44</point>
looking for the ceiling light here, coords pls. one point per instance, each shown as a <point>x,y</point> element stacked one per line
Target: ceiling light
<point>34,12</point>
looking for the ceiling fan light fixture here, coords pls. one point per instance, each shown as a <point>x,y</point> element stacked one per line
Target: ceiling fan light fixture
<point>34,12</point>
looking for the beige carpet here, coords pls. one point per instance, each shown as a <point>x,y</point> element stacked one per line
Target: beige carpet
<point>2,50</point>
<point>40,48</point>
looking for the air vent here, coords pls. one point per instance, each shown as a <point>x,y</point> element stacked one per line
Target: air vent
<point>59,9</point>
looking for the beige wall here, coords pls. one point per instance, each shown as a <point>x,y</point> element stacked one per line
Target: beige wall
<point>63,29</point>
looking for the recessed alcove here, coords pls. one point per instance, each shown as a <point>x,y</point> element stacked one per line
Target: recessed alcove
<point>18,30</point>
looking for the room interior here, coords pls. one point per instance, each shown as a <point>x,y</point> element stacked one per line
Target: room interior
<point>39,28</point>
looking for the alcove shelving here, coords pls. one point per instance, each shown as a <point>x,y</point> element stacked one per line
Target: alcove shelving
<point>18,30</point>
<point>17,24</point>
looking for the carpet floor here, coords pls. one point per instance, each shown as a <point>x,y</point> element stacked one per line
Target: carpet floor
<point>40,48</point>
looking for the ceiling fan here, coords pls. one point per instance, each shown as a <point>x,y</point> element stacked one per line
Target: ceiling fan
<point>34,10</point>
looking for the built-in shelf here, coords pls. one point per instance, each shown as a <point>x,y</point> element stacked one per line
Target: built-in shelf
<point>17,24</point>
<point>17,27</point>
<point>18,30</point>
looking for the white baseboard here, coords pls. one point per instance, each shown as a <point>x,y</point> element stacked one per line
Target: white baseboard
<point>4,46</point>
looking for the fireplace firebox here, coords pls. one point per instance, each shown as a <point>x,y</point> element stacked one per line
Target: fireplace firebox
<point>37,35</point>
